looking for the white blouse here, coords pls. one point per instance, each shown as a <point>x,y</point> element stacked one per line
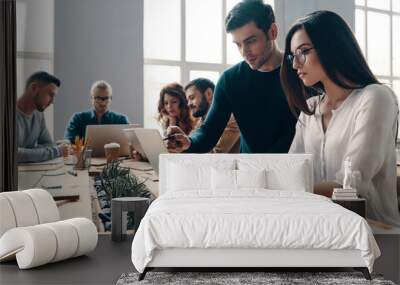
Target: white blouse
<point>364,129</point>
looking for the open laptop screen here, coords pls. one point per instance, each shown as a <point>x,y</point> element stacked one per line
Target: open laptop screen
<point>99,135</point>
<point>152,145</point>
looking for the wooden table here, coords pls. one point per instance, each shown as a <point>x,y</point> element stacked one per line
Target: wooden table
<point>70,185</point>
<point>141,169</point>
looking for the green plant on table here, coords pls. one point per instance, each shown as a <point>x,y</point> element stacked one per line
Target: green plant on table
<point>118,181</point>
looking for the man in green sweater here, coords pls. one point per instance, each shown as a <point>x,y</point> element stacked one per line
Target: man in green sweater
<point>100,114</point>
<point>250,90</point>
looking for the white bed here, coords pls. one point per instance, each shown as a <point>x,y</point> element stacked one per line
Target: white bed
<point>203,219</point>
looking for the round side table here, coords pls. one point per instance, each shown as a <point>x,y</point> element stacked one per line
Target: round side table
<point>119,209</point>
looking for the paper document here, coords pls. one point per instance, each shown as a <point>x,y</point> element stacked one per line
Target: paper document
<point>57,160</point>
<point>53,190</point>
<point>43,165</point>
<point>137,165</point>
<point>98,161</point>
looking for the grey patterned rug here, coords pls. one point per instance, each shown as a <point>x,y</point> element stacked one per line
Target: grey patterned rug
<point>242,278</point>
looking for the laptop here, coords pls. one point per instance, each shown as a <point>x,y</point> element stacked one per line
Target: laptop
<point>99,135</point>
<point>151,144</point>
<point>132,138</point>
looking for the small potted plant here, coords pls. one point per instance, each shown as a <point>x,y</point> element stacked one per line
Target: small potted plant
<point>117,181</point>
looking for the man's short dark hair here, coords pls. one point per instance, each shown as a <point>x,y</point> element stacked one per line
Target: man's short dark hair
<point>247,11</point>
<point>43,77</point>
<point>202,84</point>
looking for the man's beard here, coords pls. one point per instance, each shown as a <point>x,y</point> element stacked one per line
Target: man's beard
<point>202,109</point>
<point>266,56</point>
<point>39,107</point>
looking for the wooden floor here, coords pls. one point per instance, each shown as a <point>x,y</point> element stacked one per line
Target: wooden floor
<point>103,266</point>
<point>110,259</point>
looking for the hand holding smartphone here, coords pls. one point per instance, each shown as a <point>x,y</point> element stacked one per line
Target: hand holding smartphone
<point>177,140</point>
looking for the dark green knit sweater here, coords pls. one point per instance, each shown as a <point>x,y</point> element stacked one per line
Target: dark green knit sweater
<point>259,105</point>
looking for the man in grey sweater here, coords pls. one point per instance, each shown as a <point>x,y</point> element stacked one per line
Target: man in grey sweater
<point>34,141</point>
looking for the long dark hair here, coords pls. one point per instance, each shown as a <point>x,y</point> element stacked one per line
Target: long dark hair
<point>176,90</point>
<point>339,54</point>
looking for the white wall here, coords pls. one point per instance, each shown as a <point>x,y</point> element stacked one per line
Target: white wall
<point>98,39</point>
<point>35,43</point>
<point>287,11</point>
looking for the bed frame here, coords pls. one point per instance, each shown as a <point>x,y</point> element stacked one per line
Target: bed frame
<point>256,258</point>
<point>242,258</point>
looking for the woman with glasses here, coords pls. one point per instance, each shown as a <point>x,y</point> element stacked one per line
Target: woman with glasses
<point>354,117</point>
<point>173,109</point>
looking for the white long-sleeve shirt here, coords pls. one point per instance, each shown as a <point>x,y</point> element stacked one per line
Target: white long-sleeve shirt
<point>34,141</point>
<point>364,129</point>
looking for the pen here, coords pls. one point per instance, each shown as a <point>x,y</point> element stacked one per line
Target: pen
<point>169,137</point>
<point>52,187</point>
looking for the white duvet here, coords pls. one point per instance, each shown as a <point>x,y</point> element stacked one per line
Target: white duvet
<point>250,219</point>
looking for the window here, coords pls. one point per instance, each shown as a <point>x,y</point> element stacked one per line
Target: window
<point>377,25</point>
<point>183,40</point>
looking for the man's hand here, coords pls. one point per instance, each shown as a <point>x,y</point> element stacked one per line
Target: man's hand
<point>179,141</point>
<point>135,155</point>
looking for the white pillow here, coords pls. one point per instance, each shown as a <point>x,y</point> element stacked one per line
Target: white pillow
<point>237,179</point>
<point>251,178</point>
<point>223,179</point>
<point>293,179</point>
<point>291,175</point>
<point>184,176</point>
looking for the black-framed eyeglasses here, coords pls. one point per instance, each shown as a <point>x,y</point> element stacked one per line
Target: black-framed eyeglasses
<point>102,99</point>
<point>300,55</point>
